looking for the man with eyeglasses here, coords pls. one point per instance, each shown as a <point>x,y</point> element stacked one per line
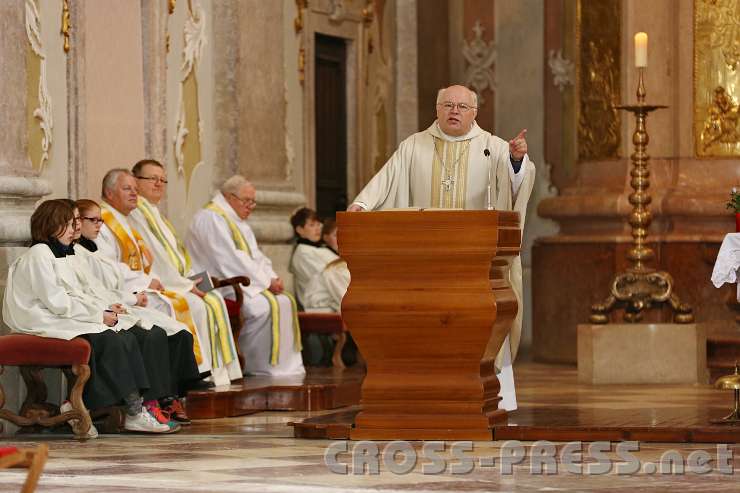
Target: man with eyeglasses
<point>221,242</point>
<point>172,265</point>
<point>121,242</point>
<point>456,164</point>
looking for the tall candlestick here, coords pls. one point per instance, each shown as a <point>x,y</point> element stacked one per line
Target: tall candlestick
<point>641,40</point>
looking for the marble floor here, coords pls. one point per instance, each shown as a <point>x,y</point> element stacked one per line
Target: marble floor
<point>259,453</point>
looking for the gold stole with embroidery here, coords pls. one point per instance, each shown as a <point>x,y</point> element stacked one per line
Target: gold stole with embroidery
<point>138,257</point>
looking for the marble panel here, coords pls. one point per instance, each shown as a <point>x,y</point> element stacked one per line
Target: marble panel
<point>642,354</point>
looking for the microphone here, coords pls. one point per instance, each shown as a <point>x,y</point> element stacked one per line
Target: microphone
<point>489,205</point>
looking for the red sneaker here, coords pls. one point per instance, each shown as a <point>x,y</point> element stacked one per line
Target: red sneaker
<point>177,412</point>
<point>161,416</point>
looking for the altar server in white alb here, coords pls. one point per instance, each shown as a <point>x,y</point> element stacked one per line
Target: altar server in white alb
<point>119,241</point>
<point>172,266</point>
<point>456,164</point>
<point>221,241</point>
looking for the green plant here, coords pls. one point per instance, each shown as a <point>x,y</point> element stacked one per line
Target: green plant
<point>734,202</point>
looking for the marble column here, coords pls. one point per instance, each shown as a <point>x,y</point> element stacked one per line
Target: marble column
<point>20,187</point>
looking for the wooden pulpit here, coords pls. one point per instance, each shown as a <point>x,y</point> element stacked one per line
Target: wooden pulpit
<point>429,307</point>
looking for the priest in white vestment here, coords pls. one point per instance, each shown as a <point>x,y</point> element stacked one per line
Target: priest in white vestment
<point>120,242</point>
<point>456,164</point>
<point>172,266</point>
<point>221,242</point>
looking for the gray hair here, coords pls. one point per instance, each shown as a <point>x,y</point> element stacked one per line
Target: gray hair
<point>234,184</point>
<point>111,178</point>
<point>473,95</point>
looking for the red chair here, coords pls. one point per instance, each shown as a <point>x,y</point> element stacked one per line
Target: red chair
<point>31,458</point>
<point>234,307</point>
<point>326,323</point>
<point>32,354</point>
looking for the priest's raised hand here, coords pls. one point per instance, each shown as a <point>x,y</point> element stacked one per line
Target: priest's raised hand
<point>518,146</point>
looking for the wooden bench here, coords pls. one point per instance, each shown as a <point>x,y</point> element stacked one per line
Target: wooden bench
<point>31,354</point>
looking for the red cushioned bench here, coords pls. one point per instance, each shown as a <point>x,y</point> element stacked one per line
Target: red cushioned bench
<point>31,354</point>
<point>31,458</point>
<point>326,323</point>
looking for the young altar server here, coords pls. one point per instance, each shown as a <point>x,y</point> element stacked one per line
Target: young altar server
<point>42,298</point>
<point>321,276</point>
<point>105,278</point>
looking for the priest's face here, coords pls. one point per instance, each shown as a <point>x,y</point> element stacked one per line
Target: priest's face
<point>123,196</point>
<point>151,183</point>
<point>456,111</point>
<point>243,202</point>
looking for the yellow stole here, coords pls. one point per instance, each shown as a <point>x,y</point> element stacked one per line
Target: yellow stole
<point>450,173</point>
<point>138,257</point>
<point>218,326</point>
<point>241,244</point>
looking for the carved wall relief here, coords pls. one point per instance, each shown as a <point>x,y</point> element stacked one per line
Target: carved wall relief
<point>716,77</point>
<point>38,101</point>
<point>599,59</point>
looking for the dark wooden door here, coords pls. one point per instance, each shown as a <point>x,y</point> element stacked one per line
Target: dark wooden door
<point>331,125</point>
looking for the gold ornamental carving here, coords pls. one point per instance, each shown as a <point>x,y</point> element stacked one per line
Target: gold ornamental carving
<point>301,6</point>
<point>66,25</point>
<point>716,77</point>
<point>598,36</point>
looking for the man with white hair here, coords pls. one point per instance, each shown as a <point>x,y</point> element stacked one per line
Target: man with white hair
<point>221,242</point>
<point>121,242</point>
<point>456,164</point>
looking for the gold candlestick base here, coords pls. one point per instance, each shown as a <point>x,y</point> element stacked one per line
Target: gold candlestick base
<point>730,382</point>
<point>637,291</point>
<point>640,288</point>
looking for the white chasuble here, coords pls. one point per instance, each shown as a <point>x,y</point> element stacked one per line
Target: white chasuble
<point>224,245</point>
<point>171,265</point>
<point>432,169</point>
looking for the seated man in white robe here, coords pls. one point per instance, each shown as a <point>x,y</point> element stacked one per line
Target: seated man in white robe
<point>321,276</point>
<point>172,266</point>
<point>456,164</point>
<point>120,242</point>
<point>222,243</point>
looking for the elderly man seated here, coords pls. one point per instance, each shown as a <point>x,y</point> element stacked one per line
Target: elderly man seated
<point>119,241</point>
<point>221,242</point>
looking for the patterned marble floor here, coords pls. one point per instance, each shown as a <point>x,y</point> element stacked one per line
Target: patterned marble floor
<point>257,453</point>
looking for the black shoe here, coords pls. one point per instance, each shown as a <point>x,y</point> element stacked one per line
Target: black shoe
<point>201,385</point>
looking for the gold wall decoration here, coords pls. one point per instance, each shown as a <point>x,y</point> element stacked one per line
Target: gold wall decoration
<point>66,25</point>
<point>39,121</point>
<point>300,5</point>
<point>598,34</point>
<point>716,77</point>
<point>188,138</point>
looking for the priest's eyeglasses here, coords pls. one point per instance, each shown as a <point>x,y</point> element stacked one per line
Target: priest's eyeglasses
<point>462,107</point>
<point>94,220</point>
<point>153,179</point>
<point>245,202</point>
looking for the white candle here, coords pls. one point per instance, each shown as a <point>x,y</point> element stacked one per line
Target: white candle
<point>641,50</point>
